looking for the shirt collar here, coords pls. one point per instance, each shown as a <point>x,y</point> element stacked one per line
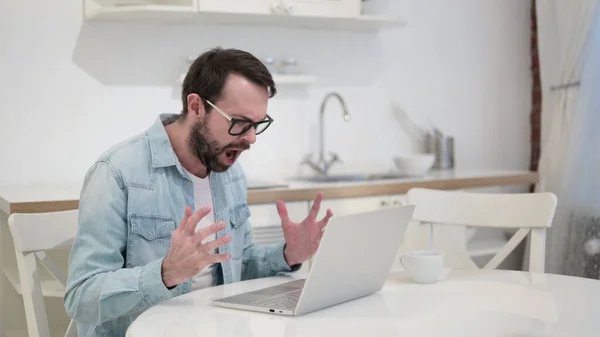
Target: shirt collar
<point>161,149</point>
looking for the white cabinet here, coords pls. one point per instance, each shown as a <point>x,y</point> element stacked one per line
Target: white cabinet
<point>347,206</point>
<point>306,14</point>
<point>267,225</point>
<point>398,200</point>
<point>315,8</point>
<point>240,6</point>
<point>266,214</point>
<point>325,8</point>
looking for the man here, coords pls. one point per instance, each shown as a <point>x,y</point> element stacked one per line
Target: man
<point>165,212</point>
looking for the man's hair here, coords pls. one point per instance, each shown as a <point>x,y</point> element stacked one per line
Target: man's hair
<point>208,73</point>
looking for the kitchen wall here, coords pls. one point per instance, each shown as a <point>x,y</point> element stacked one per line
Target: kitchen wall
<point>69,90</point>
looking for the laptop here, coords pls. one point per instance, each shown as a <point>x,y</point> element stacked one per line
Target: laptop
<point>354,258</point>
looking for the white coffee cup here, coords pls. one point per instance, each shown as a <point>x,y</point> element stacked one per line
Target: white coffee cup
<point>423,266</point>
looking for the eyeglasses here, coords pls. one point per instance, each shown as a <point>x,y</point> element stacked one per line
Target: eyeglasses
<point>240,126</point>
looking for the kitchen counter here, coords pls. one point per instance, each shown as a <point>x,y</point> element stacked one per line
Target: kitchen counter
<point>58,197</point>
<point>443,180</point>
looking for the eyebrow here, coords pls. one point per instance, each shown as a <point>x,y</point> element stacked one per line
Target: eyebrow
<point>246,118</point>
<point>235,115</point>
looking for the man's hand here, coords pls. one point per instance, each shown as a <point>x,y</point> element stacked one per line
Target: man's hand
<point>302,239</point>
<point>188,255</point>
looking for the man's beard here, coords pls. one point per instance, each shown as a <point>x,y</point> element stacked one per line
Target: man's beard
<point>208,150</point>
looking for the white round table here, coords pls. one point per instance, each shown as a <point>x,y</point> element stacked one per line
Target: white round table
<point>465,303</point>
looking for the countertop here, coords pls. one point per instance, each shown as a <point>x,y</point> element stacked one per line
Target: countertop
<point>58,197</point>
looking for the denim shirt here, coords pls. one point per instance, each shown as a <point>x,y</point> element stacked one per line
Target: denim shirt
<point>132,199</point>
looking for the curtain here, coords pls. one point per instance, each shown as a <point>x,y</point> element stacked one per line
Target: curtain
<point>569,51</point>
<point>582,173</point>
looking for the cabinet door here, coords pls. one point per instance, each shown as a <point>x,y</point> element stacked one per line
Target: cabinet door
<point>327,8</point>
<point>347,206</point>
<point>398,200</point>
<point>266,224</point>
<point>240,6</point>
<point>266,215</point>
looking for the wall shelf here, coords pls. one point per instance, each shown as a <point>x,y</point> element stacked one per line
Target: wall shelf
<point>170,14</point>
<point>281,79</point>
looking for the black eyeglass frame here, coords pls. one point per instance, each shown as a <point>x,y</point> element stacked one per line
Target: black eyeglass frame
<point>235,121</point>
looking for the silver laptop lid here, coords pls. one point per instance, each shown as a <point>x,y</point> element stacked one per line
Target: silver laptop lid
<point>354,258</point>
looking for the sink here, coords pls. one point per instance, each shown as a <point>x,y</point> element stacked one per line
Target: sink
<point>352,177</point>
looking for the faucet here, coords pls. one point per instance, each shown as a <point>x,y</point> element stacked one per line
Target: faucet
<point>322,165</point>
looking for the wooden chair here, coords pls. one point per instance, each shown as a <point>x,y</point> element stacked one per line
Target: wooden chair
<point>440,218</point>
<point>33,234</point>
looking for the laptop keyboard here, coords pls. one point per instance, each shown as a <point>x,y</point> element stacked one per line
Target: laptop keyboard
<point>285,301</point>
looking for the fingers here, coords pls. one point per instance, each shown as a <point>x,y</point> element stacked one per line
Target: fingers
<point>190,227</point>
<point>212,245</point>
<point>314,210</point>
<point>186,215</point>
<point>210,230</point>
<point>282,210</point>
<point>325,220</point>
<point>218,258</point>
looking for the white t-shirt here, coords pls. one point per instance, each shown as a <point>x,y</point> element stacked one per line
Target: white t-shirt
<point>203,197</point>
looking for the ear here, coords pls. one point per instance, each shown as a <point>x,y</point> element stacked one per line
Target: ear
<point>195,106</point>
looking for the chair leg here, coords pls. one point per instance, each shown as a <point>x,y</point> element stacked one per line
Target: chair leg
<point>33,300</point>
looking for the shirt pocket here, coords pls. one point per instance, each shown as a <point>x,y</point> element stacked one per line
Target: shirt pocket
<point>149,239</point>
<point>238,215</point>
<point>152,227</point>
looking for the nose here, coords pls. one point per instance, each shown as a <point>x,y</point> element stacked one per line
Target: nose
<point>250,136</point>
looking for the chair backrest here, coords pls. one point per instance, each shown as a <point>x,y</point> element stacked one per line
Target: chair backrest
<point>34,233</point>
<point>440,218</point>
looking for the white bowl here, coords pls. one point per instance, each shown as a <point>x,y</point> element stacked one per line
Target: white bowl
<point>415,164</point>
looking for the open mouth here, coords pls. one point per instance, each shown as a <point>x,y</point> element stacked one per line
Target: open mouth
<point>232,155</point>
